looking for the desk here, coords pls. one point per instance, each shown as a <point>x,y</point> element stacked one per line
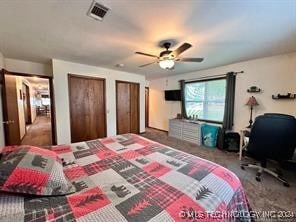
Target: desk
<point>241,141</point>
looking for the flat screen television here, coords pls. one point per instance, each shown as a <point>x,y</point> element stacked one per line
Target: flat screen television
<point>172,95</point>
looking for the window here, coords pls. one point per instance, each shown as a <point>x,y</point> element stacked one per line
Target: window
<point>206,99</point>
<point>45,100</point>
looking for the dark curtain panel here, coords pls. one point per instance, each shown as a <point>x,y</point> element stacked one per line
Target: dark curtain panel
<point>229,101</point>
<point>183,109</point>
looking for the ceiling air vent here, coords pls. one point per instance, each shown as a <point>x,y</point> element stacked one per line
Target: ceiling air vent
<point>97,11</point>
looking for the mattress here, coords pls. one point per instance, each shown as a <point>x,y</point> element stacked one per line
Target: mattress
<point>131,178</point>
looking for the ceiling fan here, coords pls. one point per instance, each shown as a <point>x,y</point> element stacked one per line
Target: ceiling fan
<point>167,58</point>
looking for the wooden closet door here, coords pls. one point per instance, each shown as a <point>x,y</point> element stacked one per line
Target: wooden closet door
<point>123,112</point>
<point>146,106</point>
<point>127,107</point>
<point>87,108</point>
<point>134,107</point>
<point>10,97</point>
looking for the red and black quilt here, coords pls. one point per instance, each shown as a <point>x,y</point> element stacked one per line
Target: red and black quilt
<point>131,178</point>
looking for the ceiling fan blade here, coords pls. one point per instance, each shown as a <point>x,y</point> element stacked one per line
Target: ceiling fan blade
<point>147,64</point>
<point>146,54</point>
<point>181,49</point>
<point>190,59</point>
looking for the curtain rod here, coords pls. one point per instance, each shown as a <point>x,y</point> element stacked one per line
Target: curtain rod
<point>213,76</point>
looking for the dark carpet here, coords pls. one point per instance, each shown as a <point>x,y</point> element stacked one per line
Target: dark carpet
<point>267,195</point>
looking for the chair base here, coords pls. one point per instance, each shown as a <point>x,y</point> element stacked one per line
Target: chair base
<point>261,169</point>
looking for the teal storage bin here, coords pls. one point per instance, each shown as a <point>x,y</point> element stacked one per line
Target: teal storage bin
<point>209,135</point>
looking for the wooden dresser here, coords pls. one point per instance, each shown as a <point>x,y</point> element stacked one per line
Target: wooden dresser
<point>185,130</point>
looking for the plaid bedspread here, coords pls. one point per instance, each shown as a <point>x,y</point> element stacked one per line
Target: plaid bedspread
<point>131,178</point>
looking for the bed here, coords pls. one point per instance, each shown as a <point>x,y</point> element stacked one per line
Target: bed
<point>131,178</point>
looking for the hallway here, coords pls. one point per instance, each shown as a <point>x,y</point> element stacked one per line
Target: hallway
<point>39,133</point>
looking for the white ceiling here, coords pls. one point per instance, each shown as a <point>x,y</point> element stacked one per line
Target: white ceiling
<point>221,31</point>
<point>39,84</point>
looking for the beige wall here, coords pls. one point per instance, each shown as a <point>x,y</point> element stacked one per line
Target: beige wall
<point>272,74</point>
<point>20,104</point>
<point>2,65</point>
<point>2,62</point>
<point>32,103</point>
<point>15,65</point>
<point>19,86</point>
<point>61,70</point>
<point>32,99</point>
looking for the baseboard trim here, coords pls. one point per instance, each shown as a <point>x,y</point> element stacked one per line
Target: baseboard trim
<point>158,129</point>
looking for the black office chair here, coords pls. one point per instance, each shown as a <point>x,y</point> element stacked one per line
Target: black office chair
<point>273,136</point>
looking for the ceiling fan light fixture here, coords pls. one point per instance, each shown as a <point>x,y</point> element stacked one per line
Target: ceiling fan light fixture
<point>167,63</point>
<point>167,58</point>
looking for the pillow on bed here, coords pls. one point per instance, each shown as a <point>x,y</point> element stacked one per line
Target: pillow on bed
<point>33,170</point>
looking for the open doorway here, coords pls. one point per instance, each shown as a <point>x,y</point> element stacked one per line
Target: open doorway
<point>27,110</point>
<point>37,105</point>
